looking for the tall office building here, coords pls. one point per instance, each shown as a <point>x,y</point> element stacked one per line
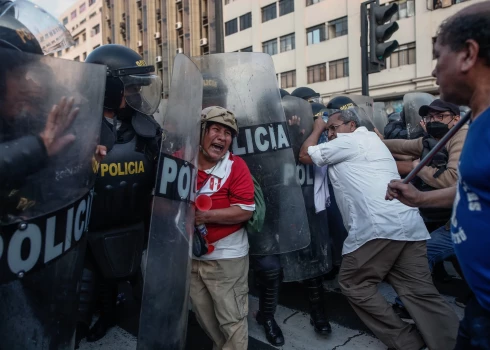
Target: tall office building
<point>316,43</point>
<point>159,29</point>
<point>84,21</point>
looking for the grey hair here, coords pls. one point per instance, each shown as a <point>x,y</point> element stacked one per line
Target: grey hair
<point>350,115</point>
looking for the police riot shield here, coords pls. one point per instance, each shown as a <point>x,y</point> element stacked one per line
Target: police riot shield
<point>45,193</point>
<point>245,83</point>
<point>411,105</point>
<point>365,109</point>
<point>380,117</point>
<point>365,104</point>
<point>316,259</point>
<point>164,306</point>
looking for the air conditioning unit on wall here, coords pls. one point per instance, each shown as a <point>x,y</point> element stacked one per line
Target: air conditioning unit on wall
<point>203,41</point>
<point>140,43</point>
<point>159,59</point>
<point>179,50</point>
<point>156,35</point>
<point>178,25</point>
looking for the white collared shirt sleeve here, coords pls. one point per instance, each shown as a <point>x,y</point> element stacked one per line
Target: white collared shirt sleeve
<point>335,151</point>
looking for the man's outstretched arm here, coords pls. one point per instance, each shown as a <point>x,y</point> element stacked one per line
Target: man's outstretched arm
<point>409,195</point>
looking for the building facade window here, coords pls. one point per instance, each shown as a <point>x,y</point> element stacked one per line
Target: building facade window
<point>270,47</point>
<point>65,21</point>
<point>317,73</point>
<point>288,42</point>
<point>406,8</point>
<point>84,56</point>
<point>96,30</point>
<point>312,2</point>
<point>91,2</point>
<point>288,79</point>
<point>84,37</point>
<point>285,7</point>
<point>73,14</point>
<point>76,42</point>
<point>246,21</point>
<point>337,28</point>
<point>315,35</point>
<point>269,12</point>
<point>77,59</point>
<point>96,46</point>
<point>58,54</point>
<point>403,56</point>
<point>247,49</point>
<point>338,69</point>
<point>231,27</point>
<point>82,8</point>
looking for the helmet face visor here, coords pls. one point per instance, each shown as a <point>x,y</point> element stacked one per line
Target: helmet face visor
<point>46,29</point>
<point>317,99</point>
<point>142,92</point>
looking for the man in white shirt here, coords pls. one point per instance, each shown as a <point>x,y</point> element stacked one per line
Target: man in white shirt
<point>386,240</point>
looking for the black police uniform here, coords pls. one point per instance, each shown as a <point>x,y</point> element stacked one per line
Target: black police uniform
<point>123,190</point>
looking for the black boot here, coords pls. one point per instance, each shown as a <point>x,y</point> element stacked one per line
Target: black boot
<point>318,318</point>
<point>107,318</point>
<point>269,293</point>
<point>87,303</point>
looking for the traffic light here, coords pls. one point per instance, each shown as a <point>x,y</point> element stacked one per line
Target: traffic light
<point>379,32</point>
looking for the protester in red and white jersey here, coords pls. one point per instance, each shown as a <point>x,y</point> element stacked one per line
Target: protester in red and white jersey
<point>219,280</point>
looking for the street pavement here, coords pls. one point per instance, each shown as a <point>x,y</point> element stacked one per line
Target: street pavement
<point>348,332</point>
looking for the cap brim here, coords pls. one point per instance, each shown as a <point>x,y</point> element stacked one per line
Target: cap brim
<point>424,110</point>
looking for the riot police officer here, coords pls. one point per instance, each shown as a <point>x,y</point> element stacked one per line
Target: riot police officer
<point>307,94</point>
<point>122,203</point>
<point>46,176</point>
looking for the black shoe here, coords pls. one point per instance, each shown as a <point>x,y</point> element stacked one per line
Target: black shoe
<point>402,313</point>
<point>272,331</point>
<point>320,322</point>
<point>100,328</point>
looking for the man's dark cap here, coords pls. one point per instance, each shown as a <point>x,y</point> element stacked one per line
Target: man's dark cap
<point>439,106</point>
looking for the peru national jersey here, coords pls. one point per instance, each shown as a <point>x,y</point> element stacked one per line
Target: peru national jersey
<point>228,183</point>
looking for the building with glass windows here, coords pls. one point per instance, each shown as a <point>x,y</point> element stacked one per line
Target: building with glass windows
<point>84,21</point>
<point>159,30</point>
<point>316,43</point>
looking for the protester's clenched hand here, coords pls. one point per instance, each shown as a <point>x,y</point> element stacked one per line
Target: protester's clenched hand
<point>59,120</point>
<point>319,125</point>
<point>200,217</point>
<point>405,193</point>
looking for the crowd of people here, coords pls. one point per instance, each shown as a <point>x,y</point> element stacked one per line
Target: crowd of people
<point>356,216</point>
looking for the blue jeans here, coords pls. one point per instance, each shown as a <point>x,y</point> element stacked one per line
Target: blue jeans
<point>439,248</point>
<point>474,329</point>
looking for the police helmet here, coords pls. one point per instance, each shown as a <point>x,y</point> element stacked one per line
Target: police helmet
<point>319,110</point>
<point>283,93</point>
<point>26,27</point>
<point>307,94</point>
<point>340,103</point>
<point>128,77</point>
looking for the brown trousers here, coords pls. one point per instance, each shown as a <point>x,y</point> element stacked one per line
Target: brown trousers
<point>219,295</point>
<point>404,265</point>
